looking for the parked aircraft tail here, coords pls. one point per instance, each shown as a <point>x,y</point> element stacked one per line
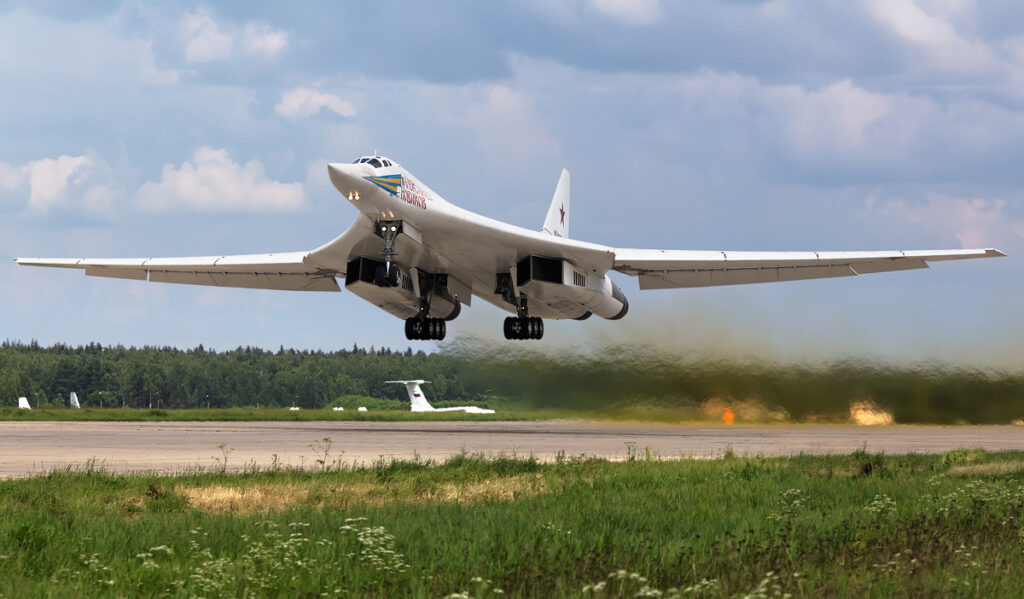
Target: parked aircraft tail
<point>420,404</point>
<point>73,401</point>
<point>23,403</point>
<point>557,221</point>
<point>416,397</point>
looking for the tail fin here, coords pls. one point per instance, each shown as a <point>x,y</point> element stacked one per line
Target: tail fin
<point>557,221</point>
<point>23,403</point>
<point>416,397</point>
<point>73,401</point>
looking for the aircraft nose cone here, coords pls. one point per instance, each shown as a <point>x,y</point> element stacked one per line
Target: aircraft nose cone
<point>347,178</point>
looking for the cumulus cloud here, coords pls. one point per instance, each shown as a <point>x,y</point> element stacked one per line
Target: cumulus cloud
<point>77,183</point>
<point>839,115</point>
<point>506,124</point>
<point>213,182</point>
<point>628,12</point>
<point>840,131</point>
<point>206,41</point>
<point>305,101</point>
<point>975,222</point>
<point>936,36</point>
<point>261,40</point>
<point>92,51</point>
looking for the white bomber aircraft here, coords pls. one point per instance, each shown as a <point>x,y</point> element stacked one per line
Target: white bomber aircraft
<point>420,258</point>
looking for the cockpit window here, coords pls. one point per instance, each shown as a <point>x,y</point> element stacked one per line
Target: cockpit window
<point>374,161</point>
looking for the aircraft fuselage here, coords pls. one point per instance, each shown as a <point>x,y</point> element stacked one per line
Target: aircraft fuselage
<point>442,238</point>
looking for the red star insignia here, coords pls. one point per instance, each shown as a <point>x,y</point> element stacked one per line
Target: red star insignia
<point>561,209</point>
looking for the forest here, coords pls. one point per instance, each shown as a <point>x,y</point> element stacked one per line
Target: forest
<point>166,377</point>
<point>631,381</point>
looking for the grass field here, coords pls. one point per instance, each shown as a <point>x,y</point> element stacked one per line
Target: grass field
<point>855,525</point>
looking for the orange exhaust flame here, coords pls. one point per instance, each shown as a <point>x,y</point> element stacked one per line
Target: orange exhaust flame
<point>728,416</point>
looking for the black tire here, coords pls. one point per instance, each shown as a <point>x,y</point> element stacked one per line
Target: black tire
<point>394,278</point>
<point>442,329</point>
<point>508,328</point>
<point>540,328</point>
<point>410,328</point>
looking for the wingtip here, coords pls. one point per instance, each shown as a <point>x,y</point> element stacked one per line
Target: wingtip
<point>994,253</point>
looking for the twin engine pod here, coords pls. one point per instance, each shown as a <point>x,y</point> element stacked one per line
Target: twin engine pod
<point>399,292</point>
<point>556,288</point>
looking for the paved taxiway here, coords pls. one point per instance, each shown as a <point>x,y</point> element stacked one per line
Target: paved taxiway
<point>32,447</point>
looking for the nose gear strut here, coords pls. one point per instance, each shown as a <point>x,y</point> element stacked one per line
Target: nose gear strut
<point>388,274</point>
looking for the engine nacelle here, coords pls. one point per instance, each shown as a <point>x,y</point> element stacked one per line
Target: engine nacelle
<point>361,278</point>
<point>556,288</point>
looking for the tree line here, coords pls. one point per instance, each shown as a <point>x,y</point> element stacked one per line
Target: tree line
<point>167,377</point>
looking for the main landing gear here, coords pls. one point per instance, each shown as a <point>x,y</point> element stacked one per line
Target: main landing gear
<point>423,329</point>
<point>524,327</point>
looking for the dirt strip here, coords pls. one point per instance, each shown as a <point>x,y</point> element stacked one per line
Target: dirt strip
<point>33,447</point>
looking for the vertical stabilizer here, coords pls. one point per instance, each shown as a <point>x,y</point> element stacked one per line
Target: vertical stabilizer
<point>416,397</point>
<point>557,221</point>
<point>73,401</point>
<point>23,403</point>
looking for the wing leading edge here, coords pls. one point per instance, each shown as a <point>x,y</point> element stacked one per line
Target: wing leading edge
<point>671,269</point>
<point>286,271</point>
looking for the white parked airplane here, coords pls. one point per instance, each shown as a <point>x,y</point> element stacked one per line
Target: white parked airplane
<point>420,258</point>
<point>420,404</point>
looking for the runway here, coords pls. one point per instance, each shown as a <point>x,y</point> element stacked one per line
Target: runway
<point>34,447</point>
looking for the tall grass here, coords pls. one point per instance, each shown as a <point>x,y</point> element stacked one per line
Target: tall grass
<point>810,526</point>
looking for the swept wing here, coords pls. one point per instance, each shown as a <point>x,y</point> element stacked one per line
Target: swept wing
<point>670,269</point>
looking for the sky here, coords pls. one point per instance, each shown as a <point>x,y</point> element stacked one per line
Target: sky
<point>134,129</point>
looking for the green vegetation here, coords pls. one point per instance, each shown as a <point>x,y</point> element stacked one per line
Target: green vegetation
<point>810,526</point>
<point>625,382</point>
<point>247,414</point>
<point>168,378</point>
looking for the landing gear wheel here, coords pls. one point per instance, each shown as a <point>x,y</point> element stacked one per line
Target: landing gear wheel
<point>422,329</point>
<point>523,327</point>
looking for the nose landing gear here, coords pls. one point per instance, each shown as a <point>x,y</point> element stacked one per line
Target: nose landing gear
<point>387,275</point>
